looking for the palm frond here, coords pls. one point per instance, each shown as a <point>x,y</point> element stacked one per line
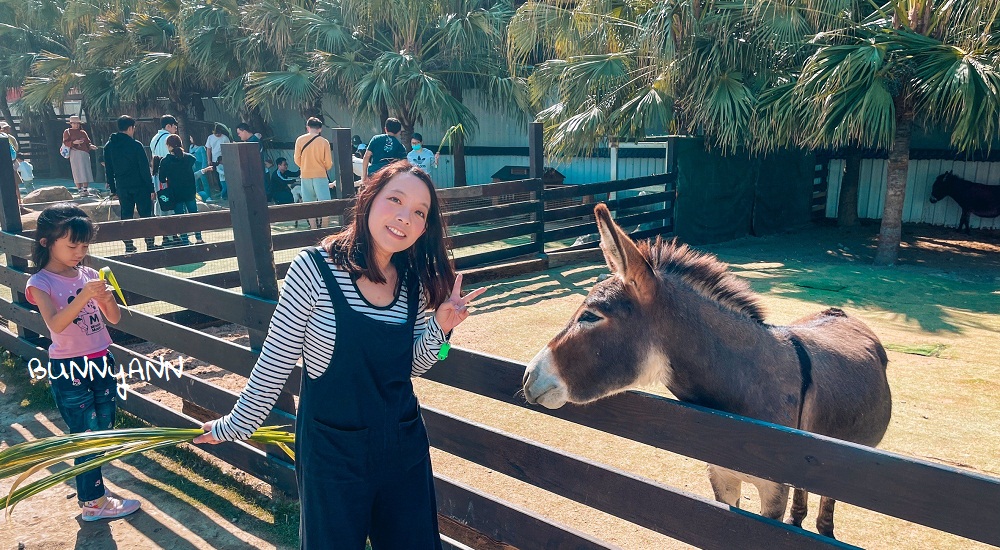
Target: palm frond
<point>24,459</point>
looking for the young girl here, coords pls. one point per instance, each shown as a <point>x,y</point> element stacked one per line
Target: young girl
<point>356,310</point>
<point>74,303</point>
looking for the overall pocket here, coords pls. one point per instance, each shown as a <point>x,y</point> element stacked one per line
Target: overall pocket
<point>333,454</point>
<point>413,443</point>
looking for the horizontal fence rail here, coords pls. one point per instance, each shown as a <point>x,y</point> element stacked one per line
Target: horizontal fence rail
<point>942,497</point>
<point>491,223</point>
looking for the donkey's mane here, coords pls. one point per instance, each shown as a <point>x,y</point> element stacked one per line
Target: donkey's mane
<point>705,274</point>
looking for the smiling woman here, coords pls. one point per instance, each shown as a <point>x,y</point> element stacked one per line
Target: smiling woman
<point>356,310</point>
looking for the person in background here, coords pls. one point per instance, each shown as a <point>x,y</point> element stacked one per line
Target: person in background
<point>383,150</point>
<point>201,161</point>
<point>26,171</point>
<point>244,132</point>
<point>221,170</point>
<point>76,138</point>
<point>282,183</point>
<point>213,146</point>
<point>312,156</point>
<point>178,170</point>
<point>129,176</point>
<point>10,136</point>
<point>7,136</point>
<point>420,157</point>
<point>159,149</point>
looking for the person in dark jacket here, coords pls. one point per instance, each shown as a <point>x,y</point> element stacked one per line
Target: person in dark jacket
<point>129,177</point>
<point>177,171</point>
<point>281,182</point>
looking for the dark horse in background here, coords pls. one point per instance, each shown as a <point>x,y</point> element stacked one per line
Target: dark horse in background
<point>974,198</point>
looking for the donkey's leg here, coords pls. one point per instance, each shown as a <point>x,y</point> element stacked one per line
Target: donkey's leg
<point>726,485</point>
<point>824,522</point>
<point>773,498</point>
<point>964,222</point>
<point>800,507</point>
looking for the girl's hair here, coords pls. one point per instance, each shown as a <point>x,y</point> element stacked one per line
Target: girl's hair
<point>58,221</point>
<point>175,145</point>
<point>427,259</point>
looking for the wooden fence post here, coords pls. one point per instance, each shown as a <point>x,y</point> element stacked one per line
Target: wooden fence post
<point>254,249</point>
<point>536,150</point>
<point>10,222</point>
<point>671,161</point>
<point>343,163</point>
<point>536,162</point>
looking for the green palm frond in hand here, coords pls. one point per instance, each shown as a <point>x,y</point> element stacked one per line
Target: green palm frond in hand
<point>24,459</point>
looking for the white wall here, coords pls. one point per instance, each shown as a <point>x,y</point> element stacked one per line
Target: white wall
<point>920,177</point>
<point>495,130</point>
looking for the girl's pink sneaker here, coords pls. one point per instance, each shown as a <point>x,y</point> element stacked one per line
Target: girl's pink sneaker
<point>113,507</point>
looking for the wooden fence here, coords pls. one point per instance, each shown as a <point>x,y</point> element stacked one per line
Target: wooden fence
<point>937,496</point>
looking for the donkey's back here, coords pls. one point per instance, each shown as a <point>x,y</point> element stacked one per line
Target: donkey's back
<point>848,396</point>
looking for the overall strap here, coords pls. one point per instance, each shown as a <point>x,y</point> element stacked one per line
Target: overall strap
<point>332,286</point>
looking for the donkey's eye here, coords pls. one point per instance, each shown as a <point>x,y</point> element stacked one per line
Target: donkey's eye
<point>588,317</point>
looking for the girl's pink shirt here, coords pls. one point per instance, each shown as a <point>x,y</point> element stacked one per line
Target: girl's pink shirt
<point>88,333</point>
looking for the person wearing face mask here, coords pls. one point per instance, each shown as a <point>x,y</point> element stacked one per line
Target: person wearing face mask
<point>420,157</point>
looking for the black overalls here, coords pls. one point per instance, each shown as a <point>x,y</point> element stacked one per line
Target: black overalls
<point>362,457</point>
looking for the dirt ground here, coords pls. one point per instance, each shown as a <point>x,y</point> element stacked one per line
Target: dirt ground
<point>938,313</point>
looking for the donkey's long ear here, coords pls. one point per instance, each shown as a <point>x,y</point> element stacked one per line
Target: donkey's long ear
<point>623,255</point>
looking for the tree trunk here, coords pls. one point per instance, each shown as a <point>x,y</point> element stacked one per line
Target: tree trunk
<point>383,115</point>
<point>407,132</point>
<point>199,107</point>
<point>5,108</point>
<point>847,209</point>
<point>53,128</point>
<point>899,160</point>
<point>458,139</point>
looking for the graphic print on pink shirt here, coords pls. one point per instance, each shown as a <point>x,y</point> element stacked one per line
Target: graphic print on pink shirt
<point>89,321</point>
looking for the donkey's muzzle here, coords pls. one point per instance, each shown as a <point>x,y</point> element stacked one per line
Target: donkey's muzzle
<point>934,199</point>
<point>530,375</point>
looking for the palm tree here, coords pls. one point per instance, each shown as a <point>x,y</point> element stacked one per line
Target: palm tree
<point>409,58</point>
<point>762,74</point>
<point>924,61</point>
<point>31,35</point>
<point>622,71</point>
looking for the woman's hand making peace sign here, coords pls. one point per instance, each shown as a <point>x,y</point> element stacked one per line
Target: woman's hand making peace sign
<point>455,309</point>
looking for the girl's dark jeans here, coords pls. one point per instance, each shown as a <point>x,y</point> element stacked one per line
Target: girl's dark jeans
<point>87,403</point>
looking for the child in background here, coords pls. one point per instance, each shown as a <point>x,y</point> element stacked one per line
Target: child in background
<point>74,303</point>
<point>222,179</point>
<point>26,171</point>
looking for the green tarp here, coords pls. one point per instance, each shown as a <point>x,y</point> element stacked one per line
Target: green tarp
<point>721,198</point>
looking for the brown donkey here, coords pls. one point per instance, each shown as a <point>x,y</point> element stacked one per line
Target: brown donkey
<point>676,316</point>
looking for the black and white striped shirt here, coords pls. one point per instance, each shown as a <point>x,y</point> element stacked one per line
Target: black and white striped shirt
<point>304,324</point>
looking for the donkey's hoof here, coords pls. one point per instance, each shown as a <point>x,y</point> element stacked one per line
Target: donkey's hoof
<point>793,521</point>
<point>827,533</point>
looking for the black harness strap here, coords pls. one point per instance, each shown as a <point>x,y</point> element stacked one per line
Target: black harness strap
<point>805,367</point>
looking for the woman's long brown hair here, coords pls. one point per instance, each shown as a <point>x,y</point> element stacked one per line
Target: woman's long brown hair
<point>427,258</point>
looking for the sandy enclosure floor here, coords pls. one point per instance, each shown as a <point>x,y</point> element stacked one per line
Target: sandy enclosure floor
<point>944,297</point>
